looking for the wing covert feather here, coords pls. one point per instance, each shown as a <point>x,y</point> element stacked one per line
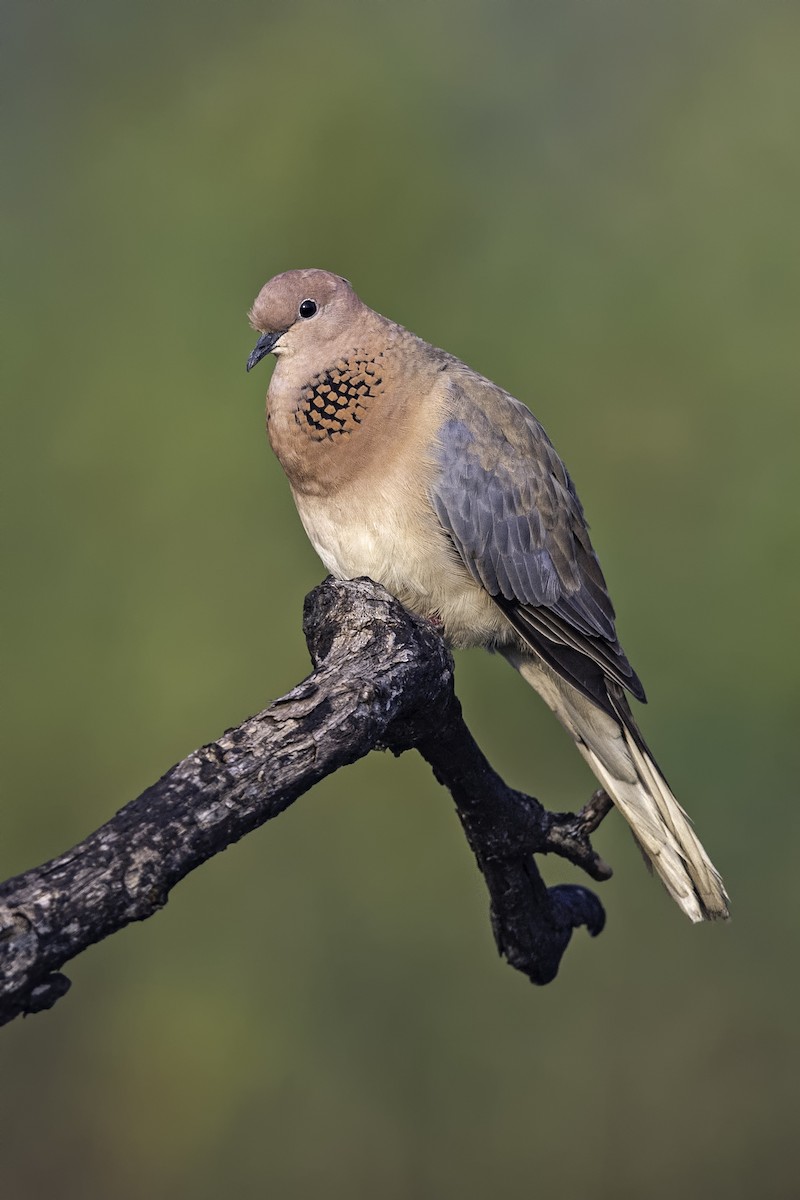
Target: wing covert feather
<point>512,512</point>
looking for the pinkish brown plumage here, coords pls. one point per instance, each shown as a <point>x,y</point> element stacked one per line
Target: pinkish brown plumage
<point>409,467</point>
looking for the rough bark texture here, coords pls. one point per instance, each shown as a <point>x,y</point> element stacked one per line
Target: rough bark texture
<point>382,679</point>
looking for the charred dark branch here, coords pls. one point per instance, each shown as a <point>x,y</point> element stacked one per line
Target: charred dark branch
<point>382,679</point>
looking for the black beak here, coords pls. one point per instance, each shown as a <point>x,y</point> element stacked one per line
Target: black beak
<point>262,348</point>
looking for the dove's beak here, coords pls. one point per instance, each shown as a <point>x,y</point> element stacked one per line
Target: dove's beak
<point>262,348</point>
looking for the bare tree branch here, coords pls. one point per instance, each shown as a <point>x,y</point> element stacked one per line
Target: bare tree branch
<point>382,679</point>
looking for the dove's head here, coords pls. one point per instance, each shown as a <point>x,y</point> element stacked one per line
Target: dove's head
<point>302,310</point>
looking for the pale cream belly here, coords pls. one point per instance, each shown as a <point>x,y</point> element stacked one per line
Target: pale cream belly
<point>398,542</point>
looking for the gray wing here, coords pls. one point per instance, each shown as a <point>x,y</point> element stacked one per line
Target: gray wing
<point>512,513</point>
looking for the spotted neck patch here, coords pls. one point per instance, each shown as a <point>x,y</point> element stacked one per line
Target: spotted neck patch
<point>334,403</point>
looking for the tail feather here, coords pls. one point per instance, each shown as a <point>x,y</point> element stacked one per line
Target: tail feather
<point>618,755</point>
<point>666,836</point>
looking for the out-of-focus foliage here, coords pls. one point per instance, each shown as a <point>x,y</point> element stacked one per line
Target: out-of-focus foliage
<point>597,205</point>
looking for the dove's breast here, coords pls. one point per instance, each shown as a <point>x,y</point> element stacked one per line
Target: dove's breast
<point>385,527</point>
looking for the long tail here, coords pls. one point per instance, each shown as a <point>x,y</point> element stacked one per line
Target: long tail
<point>618,756</point>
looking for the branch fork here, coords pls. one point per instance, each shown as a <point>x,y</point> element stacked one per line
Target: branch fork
<point>382,679</point>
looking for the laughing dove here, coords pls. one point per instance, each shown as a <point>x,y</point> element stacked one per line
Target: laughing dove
<point>410,468</point>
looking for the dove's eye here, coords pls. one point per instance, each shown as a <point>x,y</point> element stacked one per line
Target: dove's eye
<point>307,309</point>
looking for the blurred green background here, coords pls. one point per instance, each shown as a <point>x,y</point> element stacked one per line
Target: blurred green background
<point>597,205</point>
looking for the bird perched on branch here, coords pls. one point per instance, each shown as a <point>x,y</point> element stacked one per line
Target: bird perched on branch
<point>409,467</point>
